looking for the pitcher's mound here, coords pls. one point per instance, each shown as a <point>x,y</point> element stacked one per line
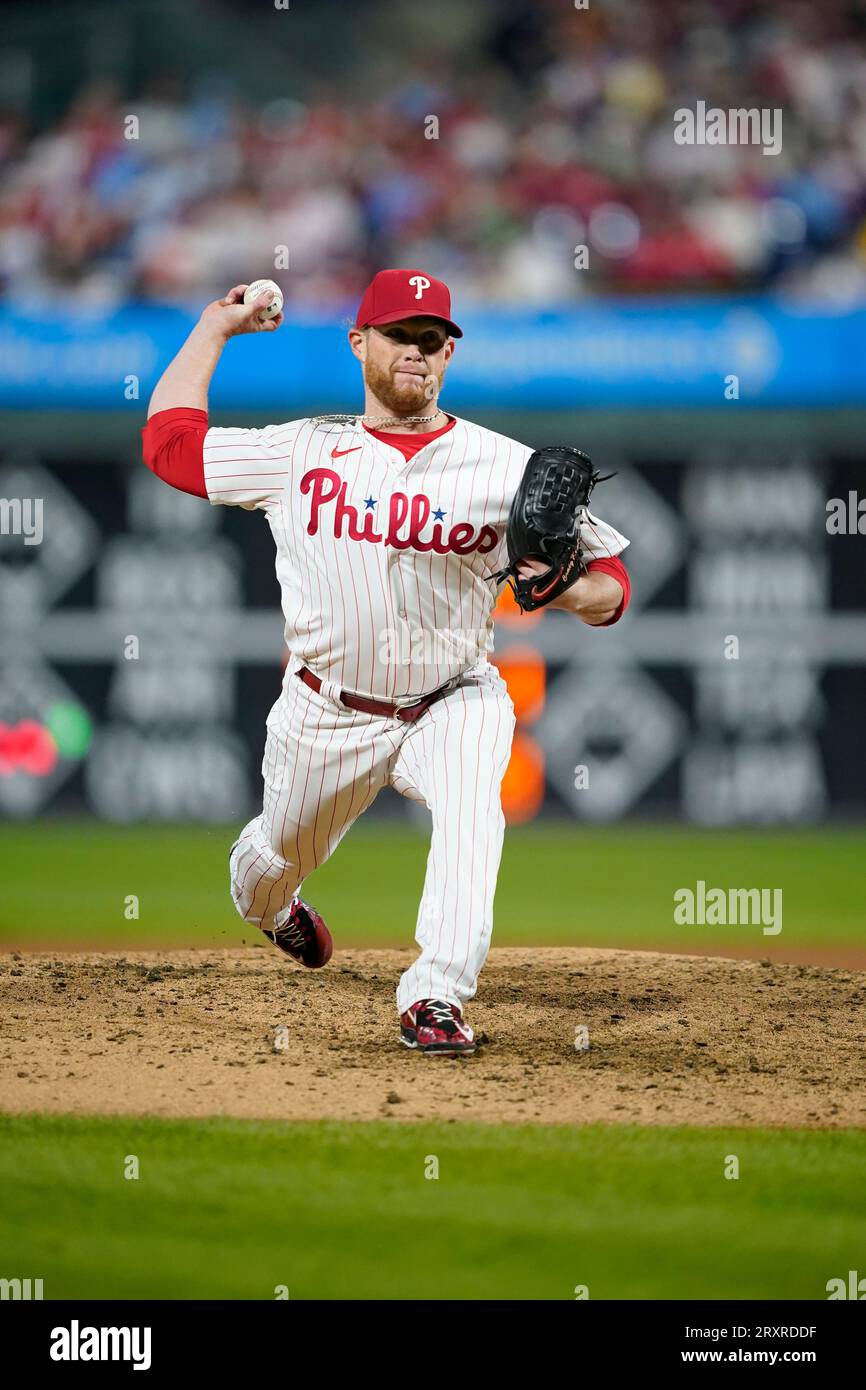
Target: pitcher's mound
<point>672,1039</point>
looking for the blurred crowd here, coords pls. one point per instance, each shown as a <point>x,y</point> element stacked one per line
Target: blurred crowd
<point>554,131</point>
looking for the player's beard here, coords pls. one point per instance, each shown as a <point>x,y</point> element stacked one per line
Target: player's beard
<point>403,396</point>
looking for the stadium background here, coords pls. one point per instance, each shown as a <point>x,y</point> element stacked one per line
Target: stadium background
<point>709,350</point>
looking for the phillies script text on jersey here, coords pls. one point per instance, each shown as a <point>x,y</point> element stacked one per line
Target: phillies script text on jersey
<point>435,531</point>
<point>326,486</point>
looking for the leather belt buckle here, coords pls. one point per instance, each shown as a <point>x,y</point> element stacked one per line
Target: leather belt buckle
<point>406,713</point>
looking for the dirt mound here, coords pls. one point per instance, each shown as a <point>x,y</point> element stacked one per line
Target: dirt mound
<point>673,1039</point>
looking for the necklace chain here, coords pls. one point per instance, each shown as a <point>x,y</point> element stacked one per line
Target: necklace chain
<point>384,419</point>
<point>401,420</point>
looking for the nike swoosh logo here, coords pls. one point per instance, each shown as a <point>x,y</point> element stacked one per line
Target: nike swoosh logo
<point>338,453</point>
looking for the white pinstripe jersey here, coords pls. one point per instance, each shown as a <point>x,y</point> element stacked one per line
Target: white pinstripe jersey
<point>384,565</point>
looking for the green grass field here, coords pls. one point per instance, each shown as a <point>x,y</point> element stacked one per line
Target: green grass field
<point>225,1209</point>
<point>232,1209</point>
<point>559,885</point>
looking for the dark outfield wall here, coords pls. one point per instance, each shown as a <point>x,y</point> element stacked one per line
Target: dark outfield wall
<point>732,692</point>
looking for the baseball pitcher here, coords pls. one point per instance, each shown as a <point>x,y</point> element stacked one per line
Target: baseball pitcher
<point>394,531</point>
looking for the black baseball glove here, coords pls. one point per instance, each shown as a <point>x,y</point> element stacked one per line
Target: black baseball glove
<point>545,520</point>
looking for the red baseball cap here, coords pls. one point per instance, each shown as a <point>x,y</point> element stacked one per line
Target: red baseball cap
<point>405,294</point>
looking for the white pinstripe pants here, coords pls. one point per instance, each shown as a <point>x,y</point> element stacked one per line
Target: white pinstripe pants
<point>324,765</point>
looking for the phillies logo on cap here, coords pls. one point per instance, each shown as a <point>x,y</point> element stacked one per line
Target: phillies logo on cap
<point>405,294</point>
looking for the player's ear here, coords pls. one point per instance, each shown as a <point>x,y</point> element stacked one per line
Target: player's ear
<point>358,343</point>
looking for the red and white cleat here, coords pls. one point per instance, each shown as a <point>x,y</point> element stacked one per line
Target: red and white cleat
<point>303,936</point>
<point>438,1028</point>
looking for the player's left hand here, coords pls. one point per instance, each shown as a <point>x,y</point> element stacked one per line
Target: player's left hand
<point>544,524</point>
<point>527,568</point>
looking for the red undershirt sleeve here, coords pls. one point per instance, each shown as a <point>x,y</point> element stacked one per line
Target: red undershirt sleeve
<point>173,448</point>
<point>613,565</point>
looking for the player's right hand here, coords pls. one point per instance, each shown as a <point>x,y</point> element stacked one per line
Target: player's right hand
<point>230,316</point>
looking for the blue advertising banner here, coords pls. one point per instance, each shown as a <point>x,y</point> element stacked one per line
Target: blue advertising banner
<point>681,355</point>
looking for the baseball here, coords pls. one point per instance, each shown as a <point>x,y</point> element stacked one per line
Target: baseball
<point>265,287</point>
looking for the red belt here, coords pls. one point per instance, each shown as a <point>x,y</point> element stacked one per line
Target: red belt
<point>408,713</point>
